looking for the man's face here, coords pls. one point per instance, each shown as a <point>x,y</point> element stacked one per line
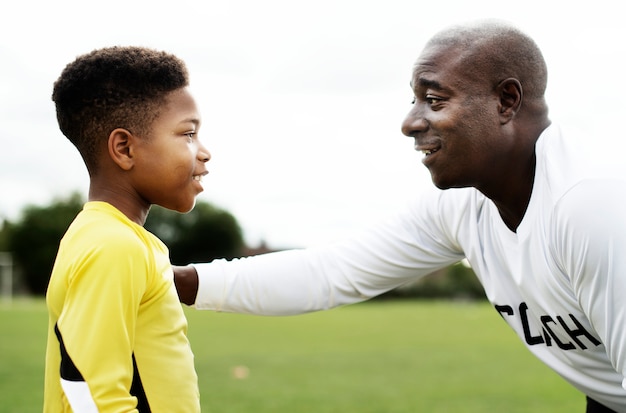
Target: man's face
<point>454,120</point>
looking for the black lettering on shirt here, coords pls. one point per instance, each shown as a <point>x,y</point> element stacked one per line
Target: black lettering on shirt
<point>579,331</point>
<point>546,320</point>
<point>550,329</point>
<point>530,339</point>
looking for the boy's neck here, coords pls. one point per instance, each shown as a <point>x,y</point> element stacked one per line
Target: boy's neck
<point>127,202</point>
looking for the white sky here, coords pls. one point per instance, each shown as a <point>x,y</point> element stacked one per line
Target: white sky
<point>301,100</point>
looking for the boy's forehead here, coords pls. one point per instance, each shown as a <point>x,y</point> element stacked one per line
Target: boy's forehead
<point>181,103</point>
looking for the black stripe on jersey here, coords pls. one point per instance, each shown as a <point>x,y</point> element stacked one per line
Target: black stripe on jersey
<point>136,389</point>
<point>69,371</point>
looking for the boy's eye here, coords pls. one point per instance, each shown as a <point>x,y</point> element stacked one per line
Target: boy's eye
<point>190,135</point>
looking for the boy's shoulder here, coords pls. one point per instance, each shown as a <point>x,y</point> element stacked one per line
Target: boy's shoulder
<point>101,226</point>
<point>101,241</point>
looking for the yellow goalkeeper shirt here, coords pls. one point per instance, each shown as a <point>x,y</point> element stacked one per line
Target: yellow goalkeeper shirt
<point>117,334</point>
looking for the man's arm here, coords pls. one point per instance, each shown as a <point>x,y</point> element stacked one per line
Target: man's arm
<point>590,240</point>
<point>186,281</point>
<point>398,250</point>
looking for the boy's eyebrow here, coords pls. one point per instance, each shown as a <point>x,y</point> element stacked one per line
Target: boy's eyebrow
<point>195,121</point>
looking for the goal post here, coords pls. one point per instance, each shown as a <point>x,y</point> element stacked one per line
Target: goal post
<point>6,276</point>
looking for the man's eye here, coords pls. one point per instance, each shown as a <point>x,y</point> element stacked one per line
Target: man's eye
<point>190,135</point>
<point>432,100</point>
<point>429,99</point>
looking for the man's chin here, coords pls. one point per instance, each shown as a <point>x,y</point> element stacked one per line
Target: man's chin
<point>444,184</point>
<point>441,184</point>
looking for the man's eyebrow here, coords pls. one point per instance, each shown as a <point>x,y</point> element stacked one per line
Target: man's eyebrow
<point>427,83</point>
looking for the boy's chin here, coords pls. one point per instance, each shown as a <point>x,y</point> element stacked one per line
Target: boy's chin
<point>181,208</point>
<point>187,209</point>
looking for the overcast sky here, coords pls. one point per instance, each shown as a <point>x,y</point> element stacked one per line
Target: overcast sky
<point>301,100</point>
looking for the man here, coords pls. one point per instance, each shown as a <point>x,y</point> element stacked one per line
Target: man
<point>542,226</point>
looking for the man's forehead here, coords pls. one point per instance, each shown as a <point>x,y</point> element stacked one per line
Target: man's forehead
<point>433,64</point>
<point>440,54</point>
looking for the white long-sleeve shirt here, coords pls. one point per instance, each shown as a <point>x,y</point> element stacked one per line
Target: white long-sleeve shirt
<point>559,281</point>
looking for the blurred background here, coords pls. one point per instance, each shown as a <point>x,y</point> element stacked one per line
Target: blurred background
<point>301,102</point>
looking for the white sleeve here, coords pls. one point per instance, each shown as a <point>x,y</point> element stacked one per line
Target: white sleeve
<point>590,238</point>
<point>391,254</point>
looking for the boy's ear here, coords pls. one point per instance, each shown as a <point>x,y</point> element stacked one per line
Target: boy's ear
<point>121,149</point>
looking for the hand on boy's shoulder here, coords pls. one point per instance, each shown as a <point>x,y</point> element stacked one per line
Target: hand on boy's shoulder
<point>186,281</point>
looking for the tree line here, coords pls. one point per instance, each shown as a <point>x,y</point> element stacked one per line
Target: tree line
<point>206,233</point>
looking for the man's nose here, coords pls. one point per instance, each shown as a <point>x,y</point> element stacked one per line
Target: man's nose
<point>414,122</point>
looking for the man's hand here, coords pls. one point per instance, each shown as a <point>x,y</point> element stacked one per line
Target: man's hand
<point>186,281</point>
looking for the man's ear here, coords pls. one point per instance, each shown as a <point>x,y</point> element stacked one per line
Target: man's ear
<point>121,148</point>
<point>510,94</point>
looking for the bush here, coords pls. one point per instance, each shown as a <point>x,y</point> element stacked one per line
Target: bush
<point>34,240</point>
<point>457,281</point>
<point>201,235</point>
<point>205,233</point>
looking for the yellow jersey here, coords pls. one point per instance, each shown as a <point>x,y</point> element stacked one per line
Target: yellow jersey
<point>117,334</point>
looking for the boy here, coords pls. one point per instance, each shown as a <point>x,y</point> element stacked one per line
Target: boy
<point>117,333</point>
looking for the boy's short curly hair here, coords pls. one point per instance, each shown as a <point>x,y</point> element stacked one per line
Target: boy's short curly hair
<point>115,87</point>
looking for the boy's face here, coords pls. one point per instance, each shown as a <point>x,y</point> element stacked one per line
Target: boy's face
<point>170,162</point>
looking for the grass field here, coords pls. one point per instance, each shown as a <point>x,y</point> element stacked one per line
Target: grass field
<point>379,357</point>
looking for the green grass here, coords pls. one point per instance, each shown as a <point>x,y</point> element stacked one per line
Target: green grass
<point>379,357</point>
